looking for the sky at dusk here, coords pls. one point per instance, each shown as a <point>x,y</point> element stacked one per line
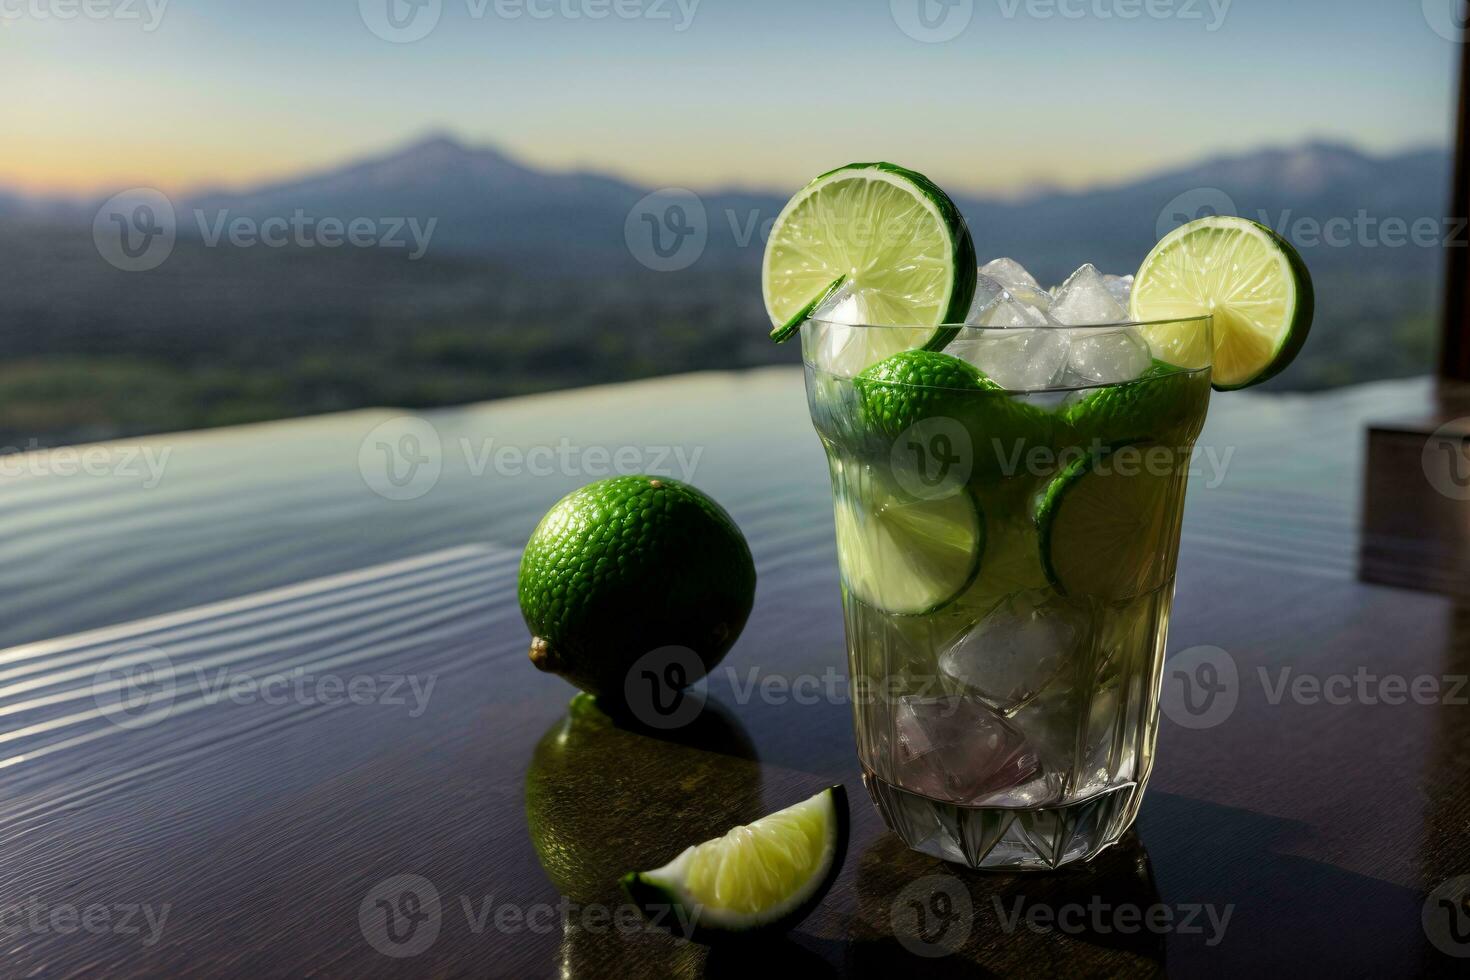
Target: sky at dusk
<point>990,96</point>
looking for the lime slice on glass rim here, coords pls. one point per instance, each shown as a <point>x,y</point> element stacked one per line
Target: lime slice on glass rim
<point>908,556</point>
<point>764,876</point>
<point>898,240</point>
<point>1100,523</point>
<point>1248,277</point>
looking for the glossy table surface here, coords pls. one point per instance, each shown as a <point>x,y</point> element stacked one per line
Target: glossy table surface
<point>261,684</point>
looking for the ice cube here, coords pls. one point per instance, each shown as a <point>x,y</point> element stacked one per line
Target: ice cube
<point>995,305</point>
<point>1119,287</point>
<point>1006,311</point>
<point>1015,651</point>
<point>1018,359</point>
<point>849,304</point>
<point>1016,281</point>
<point>1085,299</point>
<point>988,291</point>
<point>1108,356</point>
<point>1038,298</point>
<point>1009,272</point>
<point>1098,766</point>
<point>956,748</point>
<point>839,343</point>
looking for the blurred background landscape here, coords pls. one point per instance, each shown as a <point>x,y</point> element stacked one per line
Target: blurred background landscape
<point>507,173</point>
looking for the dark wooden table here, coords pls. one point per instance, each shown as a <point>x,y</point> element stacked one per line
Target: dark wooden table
<point>257,695</point>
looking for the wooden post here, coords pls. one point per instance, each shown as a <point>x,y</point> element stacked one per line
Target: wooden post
<point>1416,493</point>
<point>1454,360</point>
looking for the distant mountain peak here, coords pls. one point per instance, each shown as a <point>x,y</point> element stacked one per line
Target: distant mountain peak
<point>437,138</point>
<point>1307,168</point>
<point>1329,147</point>
<point>437,149</point>
<point>437,160</point>
<point>441,147</point>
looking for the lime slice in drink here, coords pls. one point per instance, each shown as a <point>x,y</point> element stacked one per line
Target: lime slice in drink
<point>898,239</point>
<point>906,556</point>
<point>766,875</point>
<point>1251,280</point>
<point>1105,522</point>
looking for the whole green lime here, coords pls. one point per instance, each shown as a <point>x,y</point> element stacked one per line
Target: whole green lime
<point>628,565</point>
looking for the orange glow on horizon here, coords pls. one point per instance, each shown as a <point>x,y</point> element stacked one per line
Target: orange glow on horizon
<point>58,166</point>
<point>70,168</point>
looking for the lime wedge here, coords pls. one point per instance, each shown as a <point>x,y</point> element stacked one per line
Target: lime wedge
<point>1248,277</point>
<point>894,235</point>
<point>765,875</point>
<point>907,556</point>
<point>1106,522</point>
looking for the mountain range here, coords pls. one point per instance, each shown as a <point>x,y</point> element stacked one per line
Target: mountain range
<point>485,202</point>
<point>532,281</point>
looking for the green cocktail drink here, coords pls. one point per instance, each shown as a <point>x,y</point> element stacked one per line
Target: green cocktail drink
<point>1009,466</point>
<point>1007,561</point>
